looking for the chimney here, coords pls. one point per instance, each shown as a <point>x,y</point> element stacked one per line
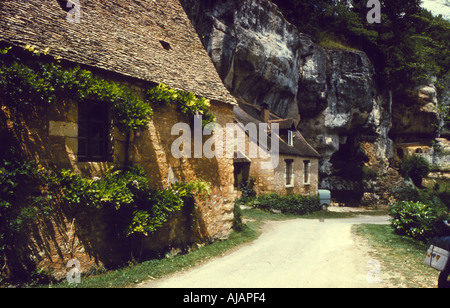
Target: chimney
<point>265,112</point>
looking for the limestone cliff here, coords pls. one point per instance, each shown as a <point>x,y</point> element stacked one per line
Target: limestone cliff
<point>332,94</point>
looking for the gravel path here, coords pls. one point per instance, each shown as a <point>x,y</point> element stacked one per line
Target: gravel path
<point>289,254</point>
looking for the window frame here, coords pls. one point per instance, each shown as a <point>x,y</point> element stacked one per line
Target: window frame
<point>289,173</point>
<point>103,141</point>
<point>306,172</point>
<point>290,138</point>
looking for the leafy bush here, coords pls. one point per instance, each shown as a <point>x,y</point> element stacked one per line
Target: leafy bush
<point>290,204</point>
<point>416,219</point>
<point>24,192</point>
<point>238,224</point>
<point>416,168</point>
<point>140,209</point>
<point>163,205</point>
<point>248,188</point>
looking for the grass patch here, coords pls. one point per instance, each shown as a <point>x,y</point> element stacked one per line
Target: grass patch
<point>330,43</point>
<point>260,215</point>
<point>331,214</point>
<point>329,40</point>
<point>402,258</point>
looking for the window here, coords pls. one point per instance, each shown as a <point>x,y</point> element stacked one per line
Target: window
<point>93,132</point>
<point>290,138</point>
<point>307,172</point>
<point>289,172</point>
<point>241,174</point>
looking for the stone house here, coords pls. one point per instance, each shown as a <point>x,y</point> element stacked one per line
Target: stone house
<point>140,44</point>
<point>297,167</point>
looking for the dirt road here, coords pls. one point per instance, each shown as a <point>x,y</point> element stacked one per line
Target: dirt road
<point>289,254</point>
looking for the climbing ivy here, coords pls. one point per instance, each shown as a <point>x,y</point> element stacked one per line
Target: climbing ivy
<point>29,76</point>
<point>32,78</point>
<point>186,102</point>
<point>29,192</point>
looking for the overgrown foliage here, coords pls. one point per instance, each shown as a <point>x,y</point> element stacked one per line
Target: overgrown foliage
<point>417,220</point>
<point>420,211</point>
<point>409,46</point>
<point>116,189</point>
<point>29,193</point>
<point>416,168</point>
<point>28,77</point>
<point>128,191</point>
<point>153,208</point>
<point>24,195</point>
<point>32,77</point>
<point>186,102</point>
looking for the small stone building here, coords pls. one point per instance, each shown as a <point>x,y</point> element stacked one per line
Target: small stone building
<point>138,43</point>
<point>297,170</point>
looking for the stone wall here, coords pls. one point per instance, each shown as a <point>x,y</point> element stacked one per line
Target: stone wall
<point>162,168</point>
<point>273,180</point>
<point>49,136</point>
<point>331,93</point>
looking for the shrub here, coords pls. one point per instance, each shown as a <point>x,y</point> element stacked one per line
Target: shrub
<point>445,198</point>
<point>416,219</point>
<point>25,196</point>
<point>290,204</point>
<point>248,188</point>
<point>406,193</point>
<point>155,207</point>
<point>416,168</point>
<point>238,224</point>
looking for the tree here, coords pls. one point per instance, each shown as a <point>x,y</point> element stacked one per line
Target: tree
<point>416,168</point>
<point>410,46</point>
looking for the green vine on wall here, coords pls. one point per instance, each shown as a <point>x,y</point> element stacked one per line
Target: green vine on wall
<point>29,77</point>
<point>187,103</point>
<point>29,195</point>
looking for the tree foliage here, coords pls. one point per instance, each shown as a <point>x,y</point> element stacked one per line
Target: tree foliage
<point>408,47</point>
<point>416,168</point>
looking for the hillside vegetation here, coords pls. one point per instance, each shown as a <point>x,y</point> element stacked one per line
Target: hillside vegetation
<point>410,46</point>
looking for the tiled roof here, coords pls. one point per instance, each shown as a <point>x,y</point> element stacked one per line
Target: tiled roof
<point>152,40</point>
<point>246,113</point>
